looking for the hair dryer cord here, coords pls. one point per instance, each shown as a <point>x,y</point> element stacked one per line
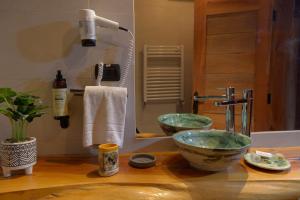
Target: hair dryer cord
<point>124,75</point>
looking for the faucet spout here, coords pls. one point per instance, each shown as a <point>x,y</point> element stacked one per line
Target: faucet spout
<point>205,98</point>
<point>228,103</point>
<point>197,99</point>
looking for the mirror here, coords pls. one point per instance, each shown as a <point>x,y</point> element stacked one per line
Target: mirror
<point>167,23</point>
<point>188,46</point>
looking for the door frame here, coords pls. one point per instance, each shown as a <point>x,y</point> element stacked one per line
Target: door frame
<point>283,81</point>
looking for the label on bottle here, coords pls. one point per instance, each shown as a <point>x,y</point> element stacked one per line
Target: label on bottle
<point>60,102</point>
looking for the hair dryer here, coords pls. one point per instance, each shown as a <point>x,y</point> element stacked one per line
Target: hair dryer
<point>88,20</point>
<point>87,24</point>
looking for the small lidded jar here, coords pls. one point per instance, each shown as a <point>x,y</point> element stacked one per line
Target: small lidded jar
<point>108,159</point>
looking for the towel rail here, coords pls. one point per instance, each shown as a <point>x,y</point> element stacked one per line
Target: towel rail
<point>163,73</point>
<point>79,92</point>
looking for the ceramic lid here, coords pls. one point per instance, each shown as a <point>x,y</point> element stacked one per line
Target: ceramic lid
<point>142,160</point>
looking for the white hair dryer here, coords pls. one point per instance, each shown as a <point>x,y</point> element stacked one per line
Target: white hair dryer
<point>87,24</point>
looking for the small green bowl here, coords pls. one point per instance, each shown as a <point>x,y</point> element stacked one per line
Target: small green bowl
<point>175,122</point>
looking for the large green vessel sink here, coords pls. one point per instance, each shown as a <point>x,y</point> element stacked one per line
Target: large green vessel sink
<point>211,150</point>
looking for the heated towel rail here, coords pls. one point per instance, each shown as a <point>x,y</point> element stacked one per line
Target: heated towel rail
<point>163,73</point>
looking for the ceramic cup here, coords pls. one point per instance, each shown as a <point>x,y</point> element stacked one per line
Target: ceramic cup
<point>108,158</point>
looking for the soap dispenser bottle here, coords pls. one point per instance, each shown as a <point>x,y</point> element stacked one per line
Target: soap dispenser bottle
<point>60,100</point>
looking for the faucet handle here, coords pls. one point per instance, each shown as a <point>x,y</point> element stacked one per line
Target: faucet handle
<point>248,94</point>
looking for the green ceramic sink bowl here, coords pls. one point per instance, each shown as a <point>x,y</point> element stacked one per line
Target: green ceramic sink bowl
<point>212,150</point>
<point>175,122</point>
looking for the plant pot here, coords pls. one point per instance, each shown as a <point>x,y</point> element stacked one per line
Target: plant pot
<point>16,156</point>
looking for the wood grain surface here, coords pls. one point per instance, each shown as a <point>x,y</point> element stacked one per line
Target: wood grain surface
<point>172,178</point>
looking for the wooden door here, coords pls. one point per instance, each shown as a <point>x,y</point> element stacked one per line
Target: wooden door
<point>232,48</point>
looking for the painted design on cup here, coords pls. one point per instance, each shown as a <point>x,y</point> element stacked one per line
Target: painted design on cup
<point>110,160</point>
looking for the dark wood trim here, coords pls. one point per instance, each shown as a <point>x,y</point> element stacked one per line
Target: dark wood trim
<point>283,62</point>
<point>199,50</point>
<point>262,110</point>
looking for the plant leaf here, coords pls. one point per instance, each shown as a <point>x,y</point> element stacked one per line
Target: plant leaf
<point>6,93</point>
<point>6,113</point>
<point>31,117</point>
<point>24,100</point>
<point>15,114</point>
<point>20,106</point>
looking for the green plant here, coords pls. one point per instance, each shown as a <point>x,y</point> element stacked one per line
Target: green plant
<point>21,109</point>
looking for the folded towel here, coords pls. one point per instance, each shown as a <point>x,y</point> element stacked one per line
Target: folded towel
<point>104,115</point>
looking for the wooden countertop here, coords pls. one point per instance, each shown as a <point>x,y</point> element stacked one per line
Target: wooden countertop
<point>238,182</point>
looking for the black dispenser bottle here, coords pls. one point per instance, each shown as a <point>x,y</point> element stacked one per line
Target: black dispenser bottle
<point>60,100</point>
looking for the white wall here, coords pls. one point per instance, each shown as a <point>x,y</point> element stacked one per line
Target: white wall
<point>39,37</point>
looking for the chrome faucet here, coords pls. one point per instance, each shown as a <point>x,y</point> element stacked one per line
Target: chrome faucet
<point>198,98</point>
<point>247,104</point>
<point>230,102</point>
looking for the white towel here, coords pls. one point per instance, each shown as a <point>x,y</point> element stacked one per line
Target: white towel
<point>104,115</point>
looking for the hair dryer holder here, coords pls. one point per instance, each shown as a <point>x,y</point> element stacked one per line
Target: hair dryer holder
<point>110,72</point>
